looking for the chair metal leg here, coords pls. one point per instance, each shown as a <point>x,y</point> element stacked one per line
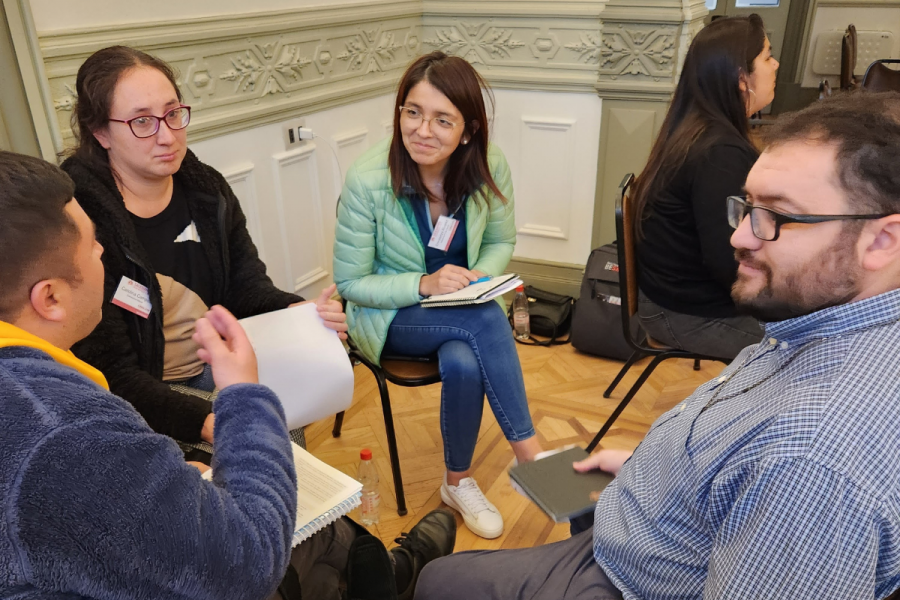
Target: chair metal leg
<point>392,441</point>
<point>338,423</point>
<point>634,390</point>
<point>635,356</point>
<point>696,364</point>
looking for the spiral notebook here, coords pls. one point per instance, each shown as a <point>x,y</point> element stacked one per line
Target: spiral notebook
<point>476,293</point>
<point>324,494</point>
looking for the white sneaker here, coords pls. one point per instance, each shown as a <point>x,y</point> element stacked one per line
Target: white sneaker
<point>481,517</point>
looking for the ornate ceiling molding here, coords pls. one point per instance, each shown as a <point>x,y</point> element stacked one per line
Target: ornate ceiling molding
<point>239,72</point>
<point>245,70</point>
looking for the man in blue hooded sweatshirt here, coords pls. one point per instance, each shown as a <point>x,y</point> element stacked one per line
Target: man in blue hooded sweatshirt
<point>93,503</point>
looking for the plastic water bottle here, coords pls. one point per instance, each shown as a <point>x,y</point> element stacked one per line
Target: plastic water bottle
<point>521,320</point>
<point>371,498</point>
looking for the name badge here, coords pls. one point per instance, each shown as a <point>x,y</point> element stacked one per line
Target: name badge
<point>133,297</point>
<point>443,233</point>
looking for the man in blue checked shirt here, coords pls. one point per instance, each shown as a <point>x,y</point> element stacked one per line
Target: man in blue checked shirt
<point>781,477</point>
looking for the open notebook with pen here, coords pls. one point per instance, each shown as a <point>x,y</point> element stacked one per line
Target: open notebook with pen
<point>476,293</point>
<point>324,494</point>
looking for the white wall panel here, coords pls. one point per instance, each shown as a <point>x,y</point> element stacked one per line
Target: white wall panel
<point>298,204</point>
<point>546,153</point>
<point>290,205</point>
<point>550,140</point>
<point>349,146</point>
<point>240,178</point>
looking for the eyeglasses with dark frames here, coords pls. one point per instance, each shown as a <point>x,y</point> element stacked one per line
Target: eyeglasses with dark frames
<point>766,223</point>
<point>145,126</point>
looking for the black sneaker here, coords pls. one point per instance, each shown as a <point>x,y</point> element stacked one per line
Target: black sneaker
<point>432,537</point>
<point>370,574</point>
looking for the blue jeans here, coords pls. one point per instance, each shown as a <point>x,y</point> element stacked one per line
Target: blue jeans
<point>477,356</point>
<point>722,337</point>
<point>202,381</point>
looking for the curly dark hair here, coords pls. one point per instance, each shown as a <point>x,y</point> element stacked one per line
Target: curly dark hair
<point>865,129</point>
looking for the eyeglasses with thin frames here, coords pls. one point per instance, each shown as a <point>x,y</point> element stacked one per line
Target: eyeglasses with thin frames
<point>414,117</point>
<point>145,126</point>
<point>766,223</point>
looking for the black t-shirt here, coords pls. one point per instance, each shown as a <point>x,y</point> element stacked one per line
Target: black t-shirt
<point>686,261</point>
<point>182,269</point>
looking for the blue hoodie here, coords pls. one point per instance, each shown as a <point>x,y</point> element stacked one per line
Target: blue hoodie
<point>94,504</point>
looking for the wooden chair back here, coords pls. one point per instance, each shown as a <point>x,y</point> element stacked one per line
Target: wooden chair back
<point>881,78</point>
<point>848,58</point>
<point>625,246</point>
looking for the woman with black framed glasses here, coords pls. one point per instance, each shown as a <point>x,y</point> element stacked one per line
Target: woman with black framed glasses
<point>702,156</point>
<point>176,242</point>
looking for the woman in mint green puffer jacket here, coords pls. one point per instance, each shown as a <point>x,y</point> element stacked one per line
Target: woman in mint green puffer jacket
<point>426,213</point>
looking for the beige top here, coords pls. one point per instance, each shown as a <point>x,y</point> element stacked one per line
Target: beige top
<point>181,309</point>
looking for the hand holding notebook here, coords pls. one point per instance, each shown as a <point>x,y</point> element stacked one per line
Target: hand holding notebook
<point>476,293</point>
<point>557,488</point>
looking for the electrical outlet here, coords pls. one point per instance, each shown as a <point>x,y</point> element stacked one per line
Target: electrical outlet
<point>290,133</point>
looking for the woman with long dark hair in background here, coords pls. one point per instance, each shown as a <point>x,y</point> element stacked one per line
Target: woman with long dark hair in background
<point>438,170</point>
<point>702,156</point>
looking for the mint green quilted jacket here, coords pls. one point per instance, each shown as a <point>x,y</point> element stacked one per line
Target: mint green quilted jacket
<point>379,257</point>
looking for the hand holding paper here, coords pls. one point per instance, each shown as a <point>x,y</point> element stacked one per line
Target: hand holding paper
<point>303,361</point>
<point>331,311</point>
<point>224,347</point>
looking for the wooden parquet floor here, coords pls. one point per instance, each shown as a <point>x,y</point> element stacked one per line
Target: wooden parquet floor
<point>565,393</point>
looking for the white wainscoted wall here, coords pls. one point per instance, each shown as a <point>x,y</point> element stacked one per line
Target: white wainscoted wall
<point>289,196</point>
<point>561,72</point>
<point>550,141</point>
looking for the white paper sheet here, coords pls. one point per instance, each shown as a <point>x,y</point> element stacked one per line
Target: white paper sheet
<point>303,362</point>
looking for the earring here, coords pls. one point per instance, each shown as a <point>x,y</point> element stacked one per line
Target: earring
<point>464,142</point>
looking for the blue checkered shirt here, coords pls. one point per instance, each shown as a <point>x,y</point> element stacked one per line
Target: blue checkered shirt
<point>778,479</point>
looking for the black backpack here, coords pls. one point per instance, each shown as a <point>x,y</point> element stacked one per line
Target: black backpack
<point>597,324</point>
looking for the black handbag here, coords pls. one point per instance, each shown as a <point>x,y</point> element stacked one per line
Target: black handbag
<point>597,324</point>
<point>550,316</point>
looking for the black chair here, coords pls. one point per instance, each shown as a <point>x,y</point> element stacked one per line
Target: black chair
<point>881,78</point>
<point>628,285</point>
<point>400,370</point>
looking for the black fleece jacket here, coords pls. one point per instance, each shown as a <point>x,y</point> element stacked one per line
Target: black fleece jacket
<point>128,349</point>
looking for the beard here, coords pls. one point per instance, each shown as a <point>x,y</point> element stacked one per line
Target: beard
<point>828,279</point>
